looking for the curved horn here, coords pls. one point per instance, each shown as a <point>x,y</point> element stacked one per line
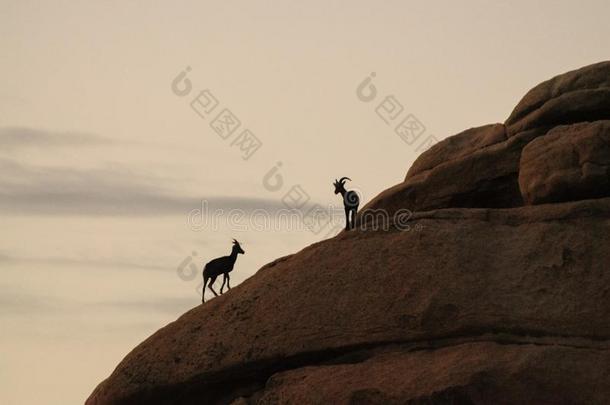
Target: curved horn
<point>342,181</point>
<point>235,241</point>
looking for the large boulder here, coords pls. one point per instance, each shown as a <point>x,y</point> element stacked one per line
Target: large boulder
<point>475,169</point>
<point>579,95</point>
<point>458,146</point>
<point>534,275</point>
<point>479,168</point>
<point>467,373</point>
<point>569,163</point>
<point>481,300</point>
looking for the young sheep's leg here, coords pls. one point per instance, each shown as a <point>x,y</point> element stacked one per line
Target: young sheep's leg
<point>224,280</point>
<point>212,279</point>
<point>228,281</point>
<point>205,282</point>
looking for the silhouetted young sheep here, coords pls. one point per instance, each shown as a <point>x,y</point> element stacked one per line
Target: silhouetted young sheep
<point>222,265</point>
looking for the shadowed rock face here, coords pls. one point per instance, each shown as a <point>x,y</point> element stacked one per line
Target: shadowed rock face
<point>466,373</point>
<point>568,163</point>
<point>473,306</point>
<point>484,175</point>
<point>458,146</point>
<point>579,95</point>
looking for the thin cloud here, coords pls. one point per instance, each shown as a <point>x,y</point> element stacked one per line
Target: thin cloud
<point>28,189</point>
<point>23,304</point>
<point>12,303</point>
<point>65,261</point>
<point>12,138</point>
<point>34,190</point>
<point>175,305</point>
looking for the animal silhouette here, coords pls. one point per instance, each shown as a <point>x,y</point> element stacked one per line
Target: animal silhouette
<point>350,202</point>
<point>222,265</point>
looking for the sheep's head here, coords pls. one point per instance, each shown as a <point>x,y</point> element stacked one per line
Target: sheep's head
<point>237,246</point>
<point>340,185</point>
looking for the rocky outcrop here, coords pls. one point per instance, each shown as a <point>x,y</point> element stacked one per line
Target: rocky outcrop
<point>480,167</point>
<point>467,373</point>
<point>576,96</point>
<point>458,146</point>
<point>484,175</point>
<point>569,163</point>
<point>527,276</point>
<point>486,300</point>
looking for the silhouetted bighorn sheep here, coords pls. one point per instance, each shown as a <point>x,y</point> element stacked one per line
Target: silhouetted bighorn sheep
<point>350,201</point>
<point>222,265</point>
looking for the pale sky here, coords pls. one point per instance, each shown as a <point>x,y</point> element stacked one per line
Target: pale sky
<point>101,162</point>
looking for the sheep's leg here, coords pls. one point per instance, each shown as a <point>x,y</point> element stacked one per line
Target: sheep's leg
<point>205,282</point>
<point>212,279</point>
<point>346,219</point>
<point>224,280</point>
<point>228,281</point>
<point>350,218</point>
